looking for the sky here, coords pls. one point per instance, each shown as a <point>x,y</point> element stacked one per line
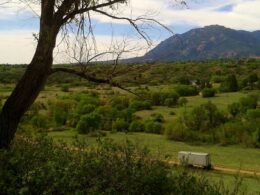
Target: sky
<point>19,21</point>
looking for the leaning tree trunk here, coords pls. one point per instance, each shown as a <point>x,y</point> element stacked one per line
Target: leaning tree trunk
<point>29,87</point>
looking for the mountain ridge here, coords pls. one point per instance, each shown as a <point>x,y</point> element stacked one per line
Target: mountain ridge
<point>210,42</point>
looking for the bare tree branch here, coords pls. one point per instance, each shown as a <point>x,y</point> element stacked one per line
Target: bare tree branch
<point>92,78</point>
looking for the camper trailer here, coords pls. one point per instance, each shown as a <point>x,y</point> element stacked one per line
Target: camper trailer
<point>195,159</point>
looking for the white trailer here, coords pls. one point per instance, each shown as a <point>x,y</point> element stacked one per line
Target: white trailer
<point>195,159</point>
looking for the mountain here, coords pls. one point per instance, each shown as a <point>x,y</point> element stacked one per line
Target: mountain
<point>210,42</point>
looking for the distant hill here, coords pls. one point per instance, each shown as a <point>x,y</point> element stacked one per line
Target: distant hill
<point>210,42</point>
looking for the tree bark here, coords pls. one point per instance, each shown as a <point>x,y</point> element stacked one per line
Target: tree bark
<point>30,85</point>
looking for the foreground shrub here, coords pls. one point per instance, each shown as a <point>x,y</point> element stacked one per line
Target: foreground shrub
<point>39,166</point>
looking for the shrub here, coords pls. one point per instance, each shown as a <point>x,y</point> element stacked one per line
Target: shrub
<point>253,114</point>
<point>230,84</point>
<point>176,132</point>
<point>48,168</point>
<point>60,116</point>
<point>153,127</point>
<point>136,126</point>
<point>208,92</point>
<point>119,102</point>
<point>186,90</point>
<point>234,109</point>
<point>246,103</point>
<point>119,125</point>
<point>39,122</point>
<point>138,105</point>
<point>182,101</point>
<point>88,123</point>
<point>65,88</point>
<point>157,117</point>
<point>86,109</point>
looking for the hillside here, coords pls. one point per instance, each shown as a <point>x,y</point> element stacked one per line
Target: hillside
<point>210,42</point>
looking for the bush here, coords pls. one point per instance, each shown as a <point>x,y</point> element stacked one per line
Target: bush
<point>157,117</point>
<point>39,122</point>
<point>136,126</point>
<point>86,109</point>
<point>253,114</point>
<point>139,105</point>
<point>229,84</point>
<point>88,123</point>
<point>234,109</point>
<point>208,92</point>
<point>176,132</point>
<point>48,168</point>
<point>246,103</point>
<point>65,88</point>
<point>186,90</point>
<point>119,125</point>
<point>153,127</point>
<point>182,101</point>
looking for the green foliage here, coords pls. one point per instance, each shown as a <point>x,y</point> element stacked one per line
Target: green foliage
<point>136,126</point>
<point>249,102</point>
<point>204,117</point>
<point>253,114</point>
<point>39,122</point>
<point>139,105</point>
<point>208,92</point>
<point>177,132</point>
<point>46,168</point>
<point>119,103</point>
<point>230,84</point>
<point>65,88</point>
<point>186,90</point>
<point>234,109</point>
<point>119,125</point>
<point>88,123</point>
<point>153,127</point>
<point>183,101</point>
<point>167,98</point>
<point>157,117</point>
<point>86,109</point>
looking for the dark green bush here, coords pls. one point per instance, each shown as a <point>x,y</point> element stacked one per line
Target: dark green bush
<point>138,105</point>
<point>86,109</point>
<point>186,90</point>
<point>208,92</point>
<point>46,168</point>
<point>230,84</point>
<point>88,123</point>
<point>182,101</point>
<point>234,109</point>
<point>136,126</point>
<point>157,117</point>
<point>119,125</point>
<point>253,114</point>
<point>153,127</point>
<point>39,122</point>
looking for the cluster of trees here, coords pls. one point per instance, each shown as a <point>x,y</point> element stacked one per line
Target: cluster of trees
<point>206,123</point>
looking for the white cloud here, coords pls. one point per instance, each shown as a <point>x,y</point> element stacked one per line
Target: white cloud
<point>16,47</point>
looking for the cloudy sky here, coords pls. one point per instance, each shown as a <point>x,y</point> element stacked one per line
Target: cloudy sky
<point>18,22</point>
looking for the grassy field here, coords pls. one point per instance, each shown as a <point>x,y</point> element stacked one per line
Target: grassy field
<point>235,157</point>
<point>248,158</point>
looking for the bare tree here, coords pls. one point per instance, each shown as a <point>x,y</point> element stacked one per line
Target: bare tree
<point>57,15</point>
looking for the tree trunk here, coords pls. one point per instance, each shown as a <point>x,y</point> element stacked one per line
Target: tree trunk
<point>29,87</point>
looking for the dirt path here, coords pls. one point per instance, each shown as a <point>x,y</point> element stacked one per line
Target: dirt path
<point>224,170</point>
